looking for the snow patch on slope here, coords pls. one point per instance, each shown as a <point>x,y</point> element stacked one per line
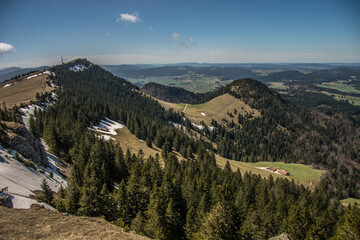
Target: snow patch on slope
<point>7,85</point>
<point>39,74</point>
<point>78,68</point>
<point>107,127</point>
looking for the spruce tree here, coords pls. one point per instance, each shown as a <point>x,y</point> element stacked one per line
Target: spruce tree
<point>47,194</point>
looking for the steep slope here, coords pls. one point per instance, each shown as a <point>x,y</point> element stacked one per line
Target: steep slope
<point>44,224</point>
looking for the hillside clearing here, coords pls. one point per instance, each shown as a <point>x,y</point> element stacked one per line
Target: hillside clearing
<point>24,90</point>
<point>217,109</point>
<point>39,223</point>
<point>301,174</point>
<point>128,140</point>
<point>347,201</point>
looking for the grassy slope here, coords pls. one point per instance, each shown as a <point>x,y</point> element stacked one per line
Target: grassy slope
<point>216,109</point>
<point>24,90</point>
<point>127,140</point>
<point>302,174</point>
<point>37,223</point>
<point>347,201</point>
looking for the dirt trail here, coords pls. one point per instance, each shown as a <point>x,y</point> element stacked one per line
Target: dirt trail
<point>185,108</point>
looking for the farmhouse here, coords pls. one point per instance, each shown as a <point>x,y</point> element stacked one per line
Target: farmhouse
<point>271,169</point>
<point>283,172</point>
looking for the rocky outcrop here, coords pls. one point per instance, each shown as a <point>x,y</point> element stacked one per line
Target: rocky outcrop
<point>20,139</point>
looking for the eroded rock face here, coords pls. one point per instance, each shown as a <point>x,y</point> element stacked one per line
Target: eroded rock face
<point>20,139</point>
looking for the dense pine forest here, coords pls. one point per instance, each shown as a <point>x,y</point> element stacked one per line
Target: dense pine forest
<point>164,198</point>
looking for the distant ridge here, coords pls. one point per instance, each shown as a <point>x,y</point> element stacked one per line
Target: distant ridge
<point>171,94</point>
<point>8,73</point>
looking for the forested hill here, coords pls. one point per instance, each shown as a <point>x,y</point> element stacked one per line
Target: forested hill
<point>290,133</point>
<point>171,94</point>
<point>164,198</point>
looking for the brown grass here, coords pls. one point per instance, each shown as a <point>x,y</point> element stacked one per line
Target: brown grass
<point>127,140</point>
<point>216,109</point>
<point>39,223</point>
<point>23,90</point>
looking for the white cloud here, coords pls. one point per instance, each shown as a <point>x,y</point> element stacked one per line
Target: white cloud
<point>192,40</point>
<point>5,48</point>
<point>107,33</point>
<point>126,17</point>
<point>180,41</point>
<point>151,29</point>
<point>175,36</point>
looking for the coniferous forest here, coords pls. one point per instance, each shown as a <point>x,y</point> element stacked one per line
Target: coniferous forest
<point>164,198</point>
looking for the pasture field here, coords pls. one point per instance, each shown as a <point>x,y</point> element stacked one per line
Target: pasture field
<point>300,173</point>
<point>352,99</point>
<point>339,85</point>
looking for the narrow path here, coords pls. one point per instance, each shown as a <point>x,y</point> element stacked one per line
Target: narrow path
<point>185,108</point>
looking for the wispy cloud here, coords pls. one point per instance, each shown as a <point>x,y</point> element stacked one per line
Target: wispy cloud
<point>127,17</point>
<point>5,48</point>
<point>151,29</point>
<point>180,41</point>
<point>107,33</point>
<point>175,36</point>
<point>192,40</point>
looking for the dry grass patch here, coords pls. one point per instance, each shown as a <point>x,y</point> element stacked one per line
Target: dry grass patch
<point>216,109</point>
<point>127,140</point>
<point>23,90</point>
<point>39,223</point>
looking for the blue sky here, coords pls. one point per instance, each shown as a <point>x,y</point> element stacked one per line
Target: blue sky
<point>35,32</point>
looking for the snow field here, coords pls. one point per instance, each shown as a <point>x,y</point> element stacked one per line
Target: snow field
<point>21,181</point>
<point>107,127</point>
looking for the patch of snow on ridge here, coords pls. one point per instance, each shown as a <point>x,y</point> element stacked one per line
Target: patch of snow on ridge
<point>107,127</point>
<point>203,114</point>
<point>7,85</point>
<point>198,126</point>
<point>106,137</point>
<point>78,68</point>
<point>39,74</point>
